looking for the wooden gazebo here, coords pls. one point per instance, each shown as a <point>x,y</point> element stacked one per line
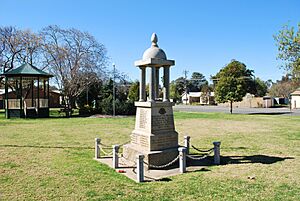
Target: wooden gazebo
<point>26,92</point>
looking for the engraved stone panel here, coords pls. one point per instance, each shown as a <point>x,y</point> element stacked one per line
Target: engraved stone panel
<point>163,141</point>
<point>140,140</point>
<point>143,118</point>
<point>163,122</point>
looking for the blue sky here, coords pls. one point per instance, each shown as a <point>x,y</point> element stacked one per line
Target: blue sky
<point>200,36</point>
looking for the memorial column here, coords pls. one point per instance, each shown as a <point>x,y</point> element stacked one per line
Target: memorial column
<point>156,83</point>
<point>166,83</point>
<point>143,84</point>
<point>152,85</point>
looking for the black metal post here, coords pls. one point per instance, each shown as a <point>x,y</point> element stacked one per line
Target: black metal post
<point>44,85</point>
<point>32,85</point>
<point>38,95</point>
<point>48,92</point>
<point>21,94</point>
<point>6,99</point>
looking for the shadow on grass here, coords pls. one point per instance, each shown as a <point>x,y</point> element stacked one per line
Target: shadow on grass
<point>44,147</point>
<point>263,159</point>
<point>225,160</point>
<point>150,179</point>
<point>270,113</point>
<point>65,117</point>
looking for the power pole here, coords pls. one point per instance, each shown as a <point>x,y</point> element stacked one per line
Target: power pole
<point>114,91</point>
<point>87,95</point>
<point>185,72</point>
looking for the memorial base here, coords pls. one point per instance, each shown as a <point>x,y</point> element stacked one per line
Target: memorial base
<point>154,135</point>
<point>154,158</point>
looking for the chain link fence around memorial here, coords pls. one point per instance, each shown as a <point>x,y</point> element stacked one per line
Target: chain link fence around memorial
<point>204,154</point>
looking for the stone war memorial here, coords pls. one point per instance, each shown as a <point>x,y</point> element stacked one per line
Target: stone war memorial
<point>154,144</point>
<point>154,135</point>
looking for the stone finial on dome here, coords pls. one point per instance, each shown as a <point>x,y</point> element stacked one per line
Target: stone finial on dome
<point>154,52</point>
<point>154,40</point>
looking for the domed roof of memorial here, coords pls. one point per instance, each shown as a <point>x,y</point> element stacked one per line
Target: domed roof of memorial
<point>154,51</point>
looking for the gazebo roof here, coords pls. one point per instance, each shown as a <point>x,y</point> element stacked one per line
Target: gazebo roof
<point>27,69</point>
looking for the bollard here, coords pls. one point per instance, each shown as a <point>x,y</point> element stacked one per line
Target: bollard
<point>187,144</point>
<point>97,148</point>
<point>140,168</point>
<point>217,152</point>
<point>182,159</point>
<point>115,156</point>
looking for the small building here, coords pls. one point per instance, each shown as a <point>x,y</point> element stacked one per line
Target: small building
<point>268,101</point>
<point>249,101</point>
<point>198,98</point>
<point>295,99</point>
<point>29,95</point>
<point>55,99</point>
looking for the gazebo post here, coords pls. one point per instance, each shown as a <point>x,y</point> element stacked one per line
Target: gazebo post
<point>44,85</point>
<point>6,99</point>
<point>38,95</point>
<point>48,92</point>
<point>32,84</point>
<point>21,94</point>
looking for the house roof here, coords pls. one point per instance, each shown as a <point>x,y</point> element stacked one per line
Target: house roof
<point>27,69</point>
<point>296,93</point>
<point>197,94</point>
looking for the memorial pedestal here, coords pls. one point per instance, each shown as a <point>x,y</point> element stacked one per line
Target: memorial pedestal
<point>154,135</point>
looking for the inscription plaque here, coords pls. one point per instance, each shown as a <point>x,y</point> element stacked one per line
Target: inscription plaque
<point>143,118</point>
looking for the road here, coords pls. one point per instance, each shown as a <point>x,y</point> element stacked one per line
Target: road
<point>269,111</point>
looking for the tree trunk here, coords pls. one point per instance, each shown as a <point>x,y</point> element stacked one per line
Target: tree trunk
<point>68,106</point>
<point>230,107</point>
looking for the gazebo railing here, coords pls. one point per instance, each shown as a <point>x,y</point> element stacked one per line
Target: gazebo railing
<point>44,103</point>
<point>15,103</point>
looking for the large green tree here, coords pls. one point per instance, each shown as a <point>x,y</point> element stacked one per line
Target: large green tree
<point>181,84</point>
<point>231,82</point>
<point>288,43</point>
<point>177,87</point>
<point>133,93</point>
<point>196,82</point>
<point>261,87</point>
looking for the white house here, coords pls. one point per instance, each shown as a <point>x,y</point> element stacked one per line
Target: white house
<point>198,98</point>
<point>295,99</point>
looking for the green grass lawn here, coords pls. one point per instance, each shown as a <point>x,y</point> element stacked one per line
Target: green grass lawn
<point>34,165</point>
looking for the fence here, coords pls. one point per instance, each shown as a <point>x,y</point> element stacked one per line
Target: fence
<point>183,154</point>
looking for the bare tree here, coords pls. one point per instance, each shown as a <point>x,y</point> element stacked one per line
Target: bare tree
<point>283,87</point>
<point>32,49</point>
<point>10,47</point>
<point>18,47</point>
<point>75,58</point>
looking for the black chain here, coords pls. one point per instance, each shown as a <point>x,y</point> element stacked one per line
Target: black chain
<point>200,150</point>
<point>110,146</point>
